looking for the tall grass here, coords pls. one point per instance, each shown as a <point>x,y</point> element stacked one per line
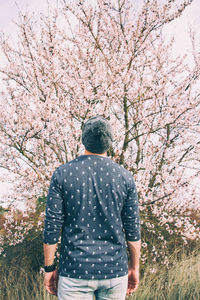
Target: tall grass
<point>180,282</point>
<point>21,284</point>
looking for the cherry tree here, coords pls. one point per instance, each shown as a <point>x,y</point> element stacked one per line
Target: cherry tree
<point>110,59</point>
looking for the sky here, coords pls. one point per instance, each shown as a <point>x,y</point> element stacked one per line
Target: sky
<point>179,28</point>
<point>9,14</point>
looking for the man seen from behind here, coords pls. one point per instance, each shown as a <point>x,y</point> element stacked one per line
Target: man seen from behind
<point>93,202</point>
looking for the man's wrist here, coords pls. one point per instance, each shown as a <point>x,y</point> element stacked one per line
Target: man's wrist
<point>50,268</point>
<point>133,268</point>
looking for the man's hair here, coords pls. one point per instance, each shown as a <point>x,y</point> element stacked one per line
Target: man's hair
<point>97,135</point>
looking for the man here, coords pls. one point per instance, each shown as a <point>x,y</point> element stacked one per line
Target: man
<point>94,201</point>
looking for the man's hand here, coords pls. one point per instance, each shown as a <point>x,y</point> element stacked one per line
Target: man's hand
<point>133,281</point>
<point>51,282</point>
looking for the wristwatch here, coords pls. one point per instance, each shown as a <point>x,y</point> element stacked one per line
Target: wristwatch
<point>50,268</point>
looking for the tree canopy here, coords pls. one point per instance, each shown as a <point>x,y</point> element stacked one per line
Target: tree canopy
<point>104,58</point>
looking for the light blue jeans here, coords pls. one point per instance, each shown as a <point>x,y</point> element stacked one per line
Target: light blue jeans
<point>103,289</point>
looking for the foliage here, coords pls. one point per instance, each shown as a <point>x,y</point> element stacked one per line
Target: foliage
<point>21,247</point>
<point>40,204</point>
<point>160,241</point>
<point>114,62</point>
<point>3,210</point>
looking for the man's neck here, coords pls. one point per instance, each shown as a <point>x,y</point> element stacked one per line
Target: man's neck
<point>90,153</point>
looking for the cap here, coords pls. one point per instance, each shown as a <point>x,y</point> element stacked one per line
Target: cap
<point>97,135</point>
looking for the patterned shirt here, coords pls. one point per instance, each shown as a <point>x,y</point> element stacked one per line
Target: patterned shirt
<point>94,201</point>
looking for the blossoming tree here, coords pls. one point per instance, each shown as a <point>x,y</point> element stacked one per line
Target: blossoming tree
<point>108,59</point>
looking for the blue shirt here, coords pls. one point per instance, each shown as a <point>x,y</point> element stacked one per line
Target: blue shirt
<point>94,201</point>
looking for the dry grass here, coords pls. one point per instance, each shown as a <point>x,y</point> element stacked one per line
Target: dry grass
<point>180,282</point>
<point>21,284</point>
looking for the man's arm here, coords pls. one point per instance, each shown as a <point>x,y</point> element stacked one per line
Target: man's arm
<point>134,263</point>
<point>134,253</point>
<point>50,278</point>
<point>131,224</point>
<point>54,218</point>
<point>49,254</point>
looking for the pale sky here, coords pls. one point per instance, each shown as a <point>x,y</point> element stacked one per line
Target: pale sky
<point>9,13</point>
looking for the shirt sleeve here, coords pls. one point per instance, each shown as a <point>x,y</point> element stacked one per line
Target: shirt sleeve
<point>54,214</point>
<point>130,215</point>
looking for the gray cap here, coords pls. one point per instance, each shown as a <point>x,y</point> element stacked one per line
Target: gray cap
<point>97,135</point>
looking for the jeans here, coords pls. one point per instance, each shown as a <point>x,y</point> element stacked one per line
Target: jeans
<point>103,289</point>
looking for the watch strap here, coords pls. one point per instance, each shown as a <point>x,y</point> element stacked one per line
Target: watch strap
<point>50,268</point>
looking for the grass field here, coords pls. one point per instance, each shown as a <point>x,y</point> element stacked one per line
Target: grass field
<point>181,281</point>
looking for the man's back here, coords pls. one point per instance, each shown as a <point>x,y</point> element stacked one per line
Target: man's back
<point>95,200</point>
